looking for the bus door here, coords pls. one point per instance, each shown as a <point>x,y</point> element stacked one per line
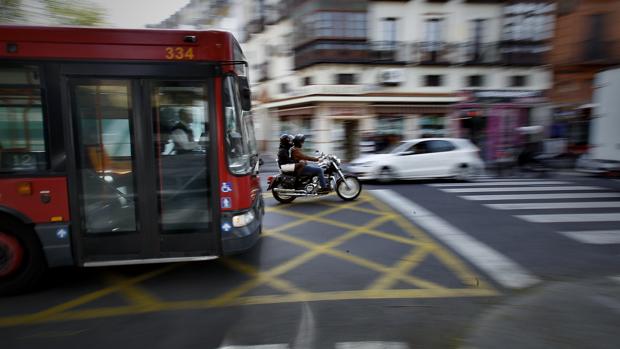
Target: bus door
<point>144,168</point>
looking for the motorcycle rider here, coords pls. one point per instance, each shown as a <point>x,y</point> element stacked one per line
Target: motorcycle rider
<point>301,160</point>
<point>285,161</point>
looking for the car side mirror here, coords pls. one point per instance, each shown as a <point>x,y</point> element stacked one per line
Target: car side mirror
<point>405,153</point>
<point>246,95</point>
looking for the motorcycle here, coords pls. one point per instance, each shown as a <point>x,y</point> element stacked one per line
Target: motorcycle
<point>286,187</point>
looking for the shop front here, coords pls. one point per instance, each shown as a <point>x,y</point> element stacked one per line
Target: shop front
<point>492,120</point>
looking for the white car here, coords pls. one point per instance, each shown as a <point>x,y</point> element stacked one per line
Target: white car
<point>421,158</point>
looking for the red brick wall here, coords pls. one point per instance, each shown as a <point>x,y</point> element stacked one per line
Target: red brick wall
<point>572,74</point>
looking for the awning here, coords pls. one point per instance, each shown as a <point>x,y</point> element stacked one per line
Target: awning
<point>410,109</point>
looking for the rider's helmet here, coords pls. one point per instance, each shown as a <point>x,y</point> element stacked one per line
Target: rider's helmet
<point>285,140</point>
<point>299,140</point>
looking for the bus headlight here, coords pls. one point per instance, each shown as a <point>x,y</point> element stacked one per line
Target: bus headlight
<point>243,219</point>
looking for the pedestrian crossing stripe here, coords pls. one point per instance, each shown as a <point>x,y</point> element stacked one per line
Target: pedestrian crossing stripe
<point>555,205</point>
<point>490,184</point>
<point>520,189</point>
<point>546,196</point>
<point>339,345</point>
<point>571,217</point>
<point>595,237</point>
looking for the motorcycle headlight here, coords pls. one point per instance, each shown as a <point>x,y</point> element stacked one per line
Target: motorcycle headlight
<point>243,219</point>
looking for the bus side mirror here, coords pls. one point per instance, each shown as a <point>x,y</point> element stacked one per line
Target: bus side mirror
<point>246,96</point>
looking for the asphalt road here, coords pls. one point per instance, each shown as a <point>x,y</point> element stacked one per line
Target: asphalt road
<point>408,265</point>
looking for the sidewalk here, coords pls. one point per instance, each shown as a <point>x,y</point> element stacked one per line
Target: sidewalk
<point>581,314</point>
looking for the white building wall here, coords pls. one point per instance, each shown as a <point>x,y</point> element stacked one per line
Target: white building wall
<point>456,16</point>
<point>454,78</point>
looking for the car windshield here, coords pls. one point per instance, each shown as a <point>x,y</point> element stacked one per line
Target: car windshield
<point>394,148</point>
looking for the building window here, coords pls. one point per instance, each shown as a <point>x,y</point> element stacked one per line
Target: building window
<point>284,88</point>
<point>528,21</point>
<point>388,28</point>
<point>517,81</point>
<point>431,125</point>
<point>595,44</point>
<point>476,39</point>
<point>433,80</point>
<point>432,34</point>
<point>389,130</point>
<point>307,81</point>
<point>475,81</point>
<point>345,79</point>
<point>331,24</point>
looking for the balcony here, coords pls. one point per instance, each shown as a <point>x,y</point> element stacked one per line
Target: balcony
<point>332,51</point>
<point>522,53</point>
<point>421,53</point>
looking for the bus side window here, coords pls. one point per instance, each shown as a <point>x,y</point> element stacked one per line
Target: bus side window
<point>21,120</point>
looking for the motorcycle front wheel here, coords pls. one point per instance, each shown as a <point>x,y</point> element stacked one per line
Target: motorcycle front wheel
<point>352,192</point>
<point>283,199</point>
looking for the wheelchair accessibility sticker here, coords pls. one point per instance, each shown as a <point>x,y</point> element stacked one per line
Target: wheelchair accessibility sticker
<point>226,187</point>
<point>226,202</point>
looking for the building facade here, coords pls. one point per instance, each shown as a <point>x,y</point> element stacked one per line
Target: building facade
<point>361,75</point>
<point>206,14</point>
<point>586,41</point>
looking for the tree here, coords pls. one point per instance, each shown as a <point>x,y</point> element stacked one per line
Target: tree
<point>70,12</point>
<point>51,12</point>
<point>10,11</point>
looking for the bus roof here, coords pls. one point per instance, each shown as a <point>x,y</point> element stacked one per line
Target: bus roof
<point>27,42</point>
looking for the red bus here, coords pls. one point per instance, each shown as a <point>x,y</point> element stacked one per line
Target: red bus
<point>123,147</point>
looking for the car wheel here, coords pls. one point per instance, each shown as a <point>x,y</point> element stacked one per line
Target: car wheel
<point>465,173</point>
<point>386,175</point>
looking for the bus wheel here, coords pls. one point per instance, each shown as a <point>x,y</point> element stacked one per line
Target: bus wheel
<point>22,264</point>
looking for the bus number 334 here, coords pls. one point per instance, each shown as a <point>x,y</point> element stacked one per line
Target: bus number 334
<point>179,53</point>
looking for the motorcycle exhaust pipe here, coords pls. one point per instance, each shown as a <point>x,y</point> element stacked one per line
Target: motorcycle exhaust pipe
<point>292,192</point>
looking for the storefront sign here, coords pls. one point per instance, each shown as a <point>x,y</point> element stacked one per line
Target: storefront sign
<point>507,94</point>
<point>348,111</point>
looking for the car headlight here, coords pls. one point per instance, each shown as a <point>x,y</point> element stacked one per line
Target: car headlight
<point>243,219</point>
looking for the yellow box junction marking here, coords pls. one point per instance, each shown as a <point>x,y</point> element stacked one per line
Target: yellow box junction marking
<point>141,301</point>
